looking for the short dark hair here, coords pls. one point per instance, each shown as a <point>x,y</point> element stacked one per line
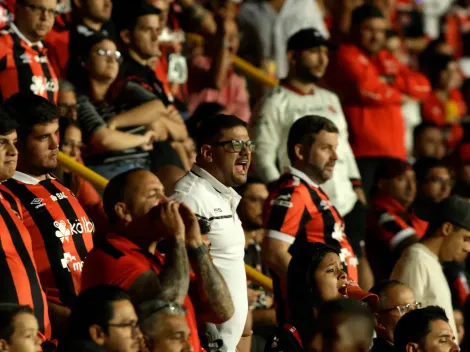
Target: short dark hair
<point>421,128</point>
<point>31,110</point>
<point>203,111</point>
<point>304,131</point>
<point>8,122</point>
<point>364,12</point>
<point>8,311</point>
<point>414,326</point>
<point>383,285</point>
<point>64,124</point>
<point>116,191</point>
<point>142,8</point>
<point>423,165</point>
<point>211,128</point>
<point>94,306</point>
<point>436,64</point>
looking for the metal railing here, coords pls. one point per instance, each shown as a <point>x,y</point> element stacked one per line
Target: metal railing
<point>100,183</point>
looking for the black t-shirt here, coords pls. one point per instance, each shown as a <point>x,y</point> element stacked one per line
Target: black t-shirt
<point>380,345</point>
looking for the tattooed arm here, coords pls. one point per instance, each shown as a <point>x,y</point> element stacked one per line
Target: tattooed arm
<point>214,295</point>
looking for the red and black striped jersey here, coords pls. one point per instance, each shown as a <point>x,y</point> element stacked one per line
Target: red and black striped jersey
<point>24,67</point>
<point>388,225</point>
<point>297,211</point>
<point>61,233</point>
<point>20,281</point>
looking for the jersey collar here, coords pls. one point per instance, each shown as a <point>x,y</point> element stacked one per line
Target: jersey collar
<point>303,176</point>
<point>288,86</point>
<point>15,30</point>
<point>218,186</point>
<point>30,180</point>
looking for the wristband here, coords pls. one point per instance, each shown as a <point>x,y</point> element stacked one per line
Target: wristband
<point>198,252</point>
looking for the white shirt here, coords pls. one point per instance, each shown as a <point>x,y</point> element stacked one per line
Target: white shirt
<point>420,270</point>
<point>275,28</point>
<point>278,111</point>
<point>211,200</point>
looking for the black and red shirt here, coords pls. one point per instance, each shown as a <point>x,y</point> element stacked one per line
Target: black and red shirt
<point>61,233</point>
<point>25,67</point>
<point>118,261</point>
<point>297,211</point>
<point>20,281</point>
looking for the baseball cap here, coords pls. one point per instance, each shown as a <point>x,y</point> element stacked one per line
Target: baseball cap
<point>391,168</point>
<point>453,209</point>
<point>306,39</point>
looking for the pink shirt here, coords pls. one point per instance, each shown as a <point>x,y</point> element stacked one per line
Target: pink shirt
<point>233,96</point>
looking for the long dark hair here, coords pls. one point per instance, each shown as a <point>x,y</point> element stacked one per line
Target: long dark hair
<point>68,179</point>
<point>302,292</point>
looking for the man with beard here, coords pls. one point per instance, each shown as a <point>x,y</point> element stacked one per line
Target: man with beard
<point>223,158</point>
<point>298,211</point>
<point>297,96</point>
<point>61,232</point>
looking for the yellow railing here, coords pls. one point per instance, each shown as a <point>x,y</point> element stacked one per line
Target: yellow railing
<point>100,182</point>
<point>244,66</point>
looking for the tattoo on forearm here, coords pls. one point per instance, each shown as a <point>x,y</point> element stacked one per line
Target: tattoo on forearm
<point>214,288</point>
<point>174,278</point>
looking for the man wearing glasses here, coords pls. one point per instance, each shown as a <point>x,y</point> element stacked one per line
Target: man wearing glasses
<point>24,65</point>
<point>395,300</point>
<point>224,152</point>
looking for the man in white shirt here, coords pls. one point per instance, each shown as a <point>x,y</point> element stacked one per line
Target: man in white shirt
<point>447,239</point>
<point>224,155</point>
<point>298,96</point>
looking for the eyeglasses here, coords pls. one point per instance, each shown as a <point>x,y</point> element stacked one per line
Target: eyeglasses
<point>109,53</point>
<point>236,146</point>
<point>442,181</point>
<point>402,310</point>
<point>133,325</point>
<point>40,10</point>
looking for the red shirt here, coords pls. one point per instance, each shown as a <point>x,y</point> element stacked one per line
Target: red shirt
<point>120,262</point>
<point>20,280</point>
<point>371,91</point>
<point>61,233</point>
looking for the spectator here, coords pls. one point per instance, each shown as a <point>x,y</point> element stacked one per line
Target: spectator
<point>298,96</point>
<point>456,32</point>
<point>395,300</point>
<point>103,316</point>
<point>92,17</point>
<point>425,330</point>
<point>347,325</point>
<point>212,78</point>
<point>457,278</point>
<point>372,85</point>
<point>390,228</point>
<point>67,100</point>
<point>25,66</point>
<point>71,145</point>
<point>434,183</point>
<point>447,239</point>
<point>61,232</point>
<point>460,322</point>
<point>112,120</point>
<point>224,155</point>
<point>135,204</point>
<point>445,106</point>
<point>18,329</point>
<point>297,210</point>
<point>267,26</point>
<point>164,326</point>
<point>428,141</point>
<point>18,269</point>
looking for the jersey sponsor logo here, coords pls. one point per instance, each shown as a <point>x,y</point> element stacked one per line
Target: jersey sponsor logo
<point>283,201</point>
<point>81,226</point>
<point>218,210</point>
<point>38,203</point>
<point>58,196</point>
<point>71,259</point>
<point>40,85</point>
<point>62,232</point>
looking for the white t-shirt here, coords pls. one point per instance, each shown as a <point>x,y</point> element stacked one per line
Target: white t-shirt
<point>271,124</point>
<point>211,200</point>
<point>420,269</point>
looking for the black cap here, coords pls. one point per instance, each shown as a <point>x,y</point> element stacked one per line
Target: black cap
<point>391,168</point>
<point>455,210</point>
<point>306,39</point>
<point>364,12</point>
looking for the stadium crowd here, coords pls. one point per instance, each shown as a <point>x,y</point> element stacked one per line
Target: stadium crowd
<point>347,184</point>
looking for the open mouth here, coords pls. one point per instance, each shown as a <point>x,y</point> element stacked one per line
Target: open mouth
<point>241,166</point>
<point>343,290</point>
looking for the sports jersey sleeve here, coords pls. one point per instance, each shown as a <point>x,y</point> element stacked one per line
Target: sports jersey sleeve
<point>135,94</point>
<point>393,229</point>
<point>412,83</point>
<point>267,128</point>
<point>371,90</point>
<point>284,213</point>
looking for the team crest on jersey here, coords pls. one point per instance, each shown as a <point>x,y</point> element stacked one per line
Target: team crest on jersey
<point>338,232</point>
<point>62,232</point>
